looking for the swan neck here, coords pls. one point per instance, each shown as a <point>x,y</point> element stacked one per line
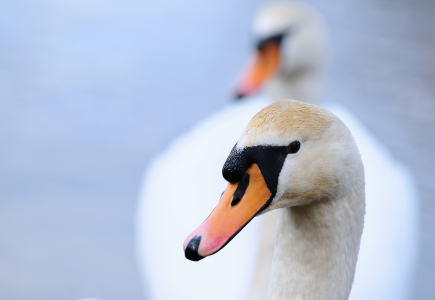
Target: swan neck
<point>304,85</point>
<point>316,248</point>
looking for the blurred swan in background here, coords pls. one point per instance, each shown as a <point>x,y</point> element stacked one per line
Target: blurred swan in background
<point>183,183</point>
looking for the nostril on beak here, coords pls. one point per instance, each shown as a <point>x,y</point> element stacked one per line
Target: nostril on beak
<point>241,189</point>
<point>191,251</point>
<point>236,200</point>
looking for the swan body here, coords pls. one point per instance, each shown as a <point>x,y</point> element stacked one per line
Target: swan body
<point>301,159</point>
<point>181,184</point>
<point>165,210</point>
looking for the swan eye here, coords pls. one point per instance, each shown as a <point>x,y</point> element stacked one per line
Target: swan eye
<point>293,147</point>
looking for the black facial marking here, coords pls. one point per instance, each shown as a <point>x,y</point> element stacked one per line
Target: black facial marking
<point>293,147</point>
<point>276,38</point>
<point>269,159</point>
<point>241,189</point>
<point>191,251</point>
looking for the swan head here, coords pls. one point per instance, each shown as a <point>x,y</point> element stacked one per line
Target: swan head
<point>291,153</point>
<point>290,43</point>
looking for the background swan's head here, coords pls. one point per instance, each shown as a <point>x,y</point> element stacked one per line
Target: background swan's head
<point>290,48</point>
<point>291,153</point>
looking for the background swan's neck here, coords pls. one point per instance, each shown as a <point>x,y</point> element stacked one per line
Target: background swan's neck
<point>304,85</point>
<point>316,248</point>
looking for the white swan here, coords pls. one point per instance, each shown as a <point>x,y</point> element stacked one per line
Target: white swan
<point>301,159</point>
<point>184,180</point>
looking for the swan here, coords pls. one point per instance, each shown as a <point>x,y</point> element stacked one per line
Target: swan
<point>301,159</point>
<point>289,63</point>
<point>184,179</point>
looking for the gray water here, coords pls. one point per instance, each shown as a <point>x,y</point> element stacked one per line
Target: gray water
<point>91,90</point>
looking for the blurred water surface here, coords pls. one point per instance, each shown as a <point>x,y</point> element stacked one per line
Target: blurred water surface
<point>90,90</point>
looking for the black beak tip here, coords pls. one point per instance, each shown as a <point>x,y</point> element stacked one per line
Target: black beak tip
<point>239,96</point>
<point>191,251</point>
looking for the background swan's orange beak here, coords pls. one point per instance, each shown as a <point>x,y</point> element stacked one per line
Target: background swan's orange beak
<point>238,205</point>
<point>262,66</point>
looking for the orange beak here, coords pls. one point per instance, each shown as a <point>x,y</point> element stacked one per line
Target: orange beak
<point>238,205</point>
<point>262,66</point>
